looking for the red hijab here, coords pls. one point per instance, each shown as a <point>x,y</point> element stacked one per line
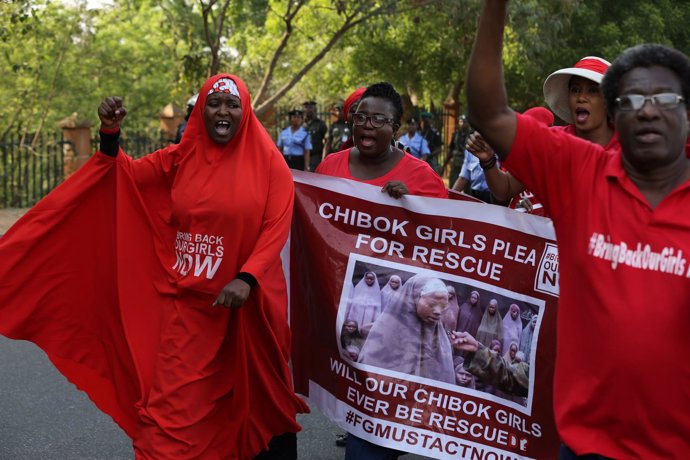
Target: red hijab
<point>249,137</point>
<point>99,309</point>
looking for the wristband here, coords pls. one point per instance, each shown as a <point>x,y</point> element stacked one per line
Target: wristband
<point>109,130</point>
<point>488,164</point>
<point>247,278</point>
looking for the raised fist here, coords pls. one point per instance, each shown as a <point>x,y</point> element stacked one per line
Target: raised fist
<point>111,112</point>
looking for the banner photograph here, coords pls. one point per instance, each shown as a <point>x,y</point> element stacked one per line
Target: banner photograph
<point>380,291</point>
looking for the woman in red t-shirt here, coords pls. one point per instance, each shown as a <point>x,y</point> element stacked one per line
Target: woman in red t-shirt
<point>374,159</point>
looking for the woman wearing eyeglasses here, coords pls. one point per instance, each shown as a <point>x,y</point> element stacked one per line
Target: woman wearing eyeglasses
<point>374,159</point>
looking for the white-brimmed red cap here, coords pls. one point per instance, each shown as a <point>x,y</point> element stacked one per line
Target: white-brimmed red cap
<point>556,84</point>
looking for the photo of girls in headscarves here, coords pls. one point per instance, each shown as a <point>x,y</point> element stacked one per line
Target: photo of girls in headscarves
<point>402,321</point>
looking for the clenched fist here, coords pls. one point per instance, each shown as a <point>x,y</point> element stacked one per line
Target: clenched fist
<point>111,112</point>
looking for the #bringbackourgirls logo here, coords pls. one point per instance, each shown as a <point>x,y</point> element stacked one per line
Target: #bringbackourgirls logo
<point>547,274</point>
<point>198,253</point>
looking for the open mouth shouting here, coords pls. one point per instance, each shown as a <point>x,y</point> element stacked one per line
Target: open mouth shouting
<point>222,116</point>
<point>581,115</point>
<point>223,128</point>
<point>367,141</point>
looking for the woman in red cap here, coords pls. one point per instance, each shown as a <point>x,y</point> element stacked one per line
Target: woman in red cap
<point>574,96</point>
<point>165,300</point>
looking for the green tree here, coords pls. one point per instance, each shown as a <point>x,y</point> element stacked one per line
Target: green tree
<point>39,47</point>
<point>61,57</point>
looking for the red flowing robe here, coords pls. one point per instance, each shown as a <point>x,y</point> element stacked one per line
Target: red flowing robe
<point>114,274</point>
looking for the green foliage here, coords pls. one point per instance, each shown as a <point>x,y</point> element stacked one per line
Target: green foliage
<point>59,57</point>
<point>73,57</point>
<point>534,47</point>
<point>422,51</point>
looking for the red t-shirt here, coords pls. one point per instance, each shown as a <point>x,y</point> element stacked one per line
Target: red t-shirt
<point>417,175</point>
<point>570,129</point>
<point>527,202</point>
<point>622,380</point>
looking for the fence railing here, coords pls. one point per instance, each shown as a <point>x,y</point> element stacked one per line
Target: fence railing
<point>30,167</point>
<point>33,165</point>
<point>137,144</point>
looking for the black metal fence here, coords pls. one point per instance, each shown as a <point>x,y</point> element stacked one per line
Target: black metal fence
<point>137,144</point>
<point>31,165</point>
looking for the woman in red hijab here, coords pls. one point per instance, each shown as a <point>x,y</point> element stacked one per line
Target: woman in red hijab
<point>171,311</point>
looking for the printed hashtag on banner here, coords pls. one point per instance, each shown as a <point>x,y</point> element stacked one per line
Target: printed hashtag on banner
<point>349,417</point>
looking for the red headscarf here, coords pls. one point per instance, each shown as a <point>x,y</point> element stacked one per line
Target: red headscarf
<point>250,135</point>
<point>351,99</point>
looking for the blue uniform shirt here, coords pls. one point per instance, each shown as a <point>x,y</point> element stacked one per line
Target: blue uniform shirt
<point>417,144</point>
<point>294,144</point>
<point>473,172</point>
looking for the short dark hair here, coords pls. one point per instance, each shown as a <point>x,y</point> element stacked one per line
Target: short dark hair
<point>385,90</point>
<point>646,55</point>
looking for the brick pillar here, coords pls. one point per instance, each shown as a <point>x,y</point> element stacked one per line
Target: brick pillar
<point>451,110</point>
<point>170,117</point>
<point>76,149</point>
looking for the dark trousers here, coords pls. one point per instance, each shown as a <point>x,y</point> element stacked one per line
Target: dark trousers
<point>294,162</point>
<point>454,174</point>
<point>314,161</point>
<point>282,447</point>
<point>361,449</point>
<point>566,454</point>
<point>483,195</point>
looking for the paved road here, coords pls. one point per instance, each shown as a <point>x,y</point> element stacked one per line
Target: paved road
<point>43,417</point>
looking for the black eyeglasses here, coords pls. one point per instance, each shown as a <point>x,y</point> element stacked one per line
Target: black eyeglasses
<point>664,101</point>
<point>377,121</point>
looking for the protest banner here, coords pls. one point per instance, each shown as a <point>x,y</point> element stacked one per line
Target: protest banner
<point>368,354</point>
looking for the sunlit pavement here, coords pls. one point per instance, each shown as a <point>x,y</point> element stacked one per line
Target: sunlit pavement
<point>44,417</point>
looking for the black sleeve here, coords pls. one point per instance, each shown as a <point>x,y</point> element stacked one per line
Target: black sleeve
<point>110,143</point>
<point>247,278</point>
